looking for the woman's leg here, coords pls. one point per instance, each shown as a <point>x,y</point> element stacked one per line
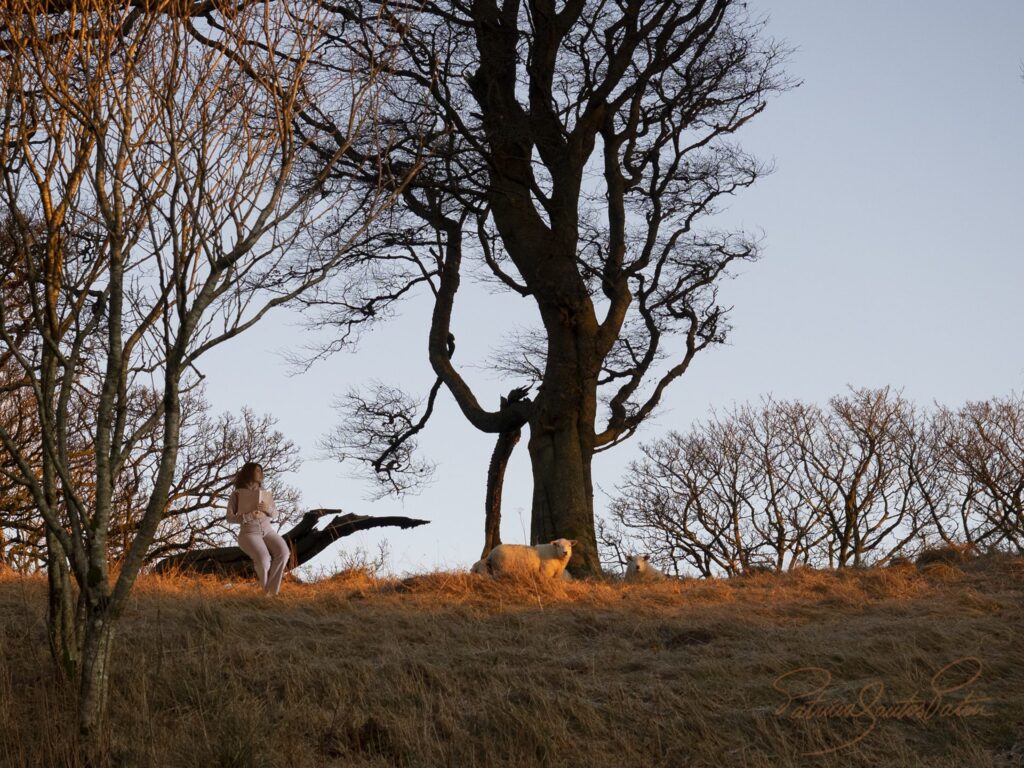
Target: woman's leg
<point>279,554</point>
<point>252,544</point>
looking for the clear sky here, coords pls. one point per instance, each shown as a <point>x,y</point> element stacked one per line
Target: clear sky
<point>893,254</point>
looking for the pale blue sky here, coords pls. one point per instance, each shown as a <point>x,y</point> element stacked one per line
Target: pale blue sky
<point>894,254</point>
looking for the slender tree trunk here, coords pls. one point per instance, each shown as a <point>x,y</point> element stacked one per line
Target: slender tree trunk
<point>495,482</point>
<point>846,534</point>
<point>94,681</point>
<point>62,624</point>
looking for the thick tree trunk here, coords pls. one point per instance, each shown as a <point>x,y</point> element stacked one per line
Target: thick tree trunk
<point>94,682</point>
<point>562,448</point>
<point>562,430</point>
<point>563,496</point>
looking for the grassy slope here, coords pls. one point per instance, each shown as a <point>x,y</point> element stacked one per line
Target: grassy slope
<point>452,670</point>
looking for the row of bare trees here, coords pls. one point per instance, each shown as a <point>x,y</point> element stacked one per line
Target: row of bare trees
<point>870,477</point>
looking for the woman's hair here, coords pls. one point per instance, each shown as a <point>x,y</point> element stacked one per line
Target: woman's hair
<point>250,473</point>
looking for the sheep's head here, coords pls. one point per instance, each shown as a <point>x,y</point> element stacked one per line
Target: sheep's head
<point>564,547</point>
<point>636,562</point>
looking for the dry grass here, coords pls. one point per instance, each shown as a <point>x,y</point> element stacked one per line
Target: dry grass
<point>948,553</point>
<point>452,670</point>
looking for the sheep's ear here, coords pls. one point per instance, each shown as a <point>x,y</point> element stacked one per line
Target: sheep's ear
<point>645,558</point>
<point>572,542</point>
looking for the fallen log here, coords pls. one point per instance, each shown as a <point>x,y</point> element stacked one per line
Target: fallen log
<point>304,540</point>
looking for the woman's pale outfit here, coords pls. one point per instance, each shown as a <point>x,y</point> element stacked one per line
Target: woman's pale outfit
<point>258,539</point>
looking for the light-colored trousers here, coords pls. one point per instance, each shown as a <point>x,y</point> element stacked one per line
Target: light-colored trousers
<point>269,553</point>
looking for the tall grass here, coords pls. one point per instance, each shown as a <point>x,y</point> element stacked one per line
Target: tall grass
<point>452,670</point>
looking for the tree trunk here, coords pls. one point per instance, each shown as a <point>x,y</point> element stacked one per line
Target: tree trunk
<point>94,682</point>
<point>563,496</point>
<point>495,482</point>
<point>562,428</point>
<point>62,624</point>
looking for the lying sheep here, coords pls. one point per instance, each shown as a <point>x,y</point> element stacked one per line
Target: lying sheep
<point>639,568</point>
<point>548,560</point>
<point>481,568</point>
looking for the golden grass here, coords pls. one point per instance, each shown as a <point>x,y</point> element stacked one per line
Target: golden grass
<point>947,553</point>
<point>449,669</point>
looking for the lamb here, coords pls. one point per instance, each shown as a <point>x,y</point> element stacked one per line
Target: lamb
<point>639,568</point>
<point>548,560</point>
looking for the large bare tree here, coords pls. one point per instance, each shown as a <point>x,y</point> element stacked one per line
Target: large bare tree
<point>148,166</point>
<point>573,155</point>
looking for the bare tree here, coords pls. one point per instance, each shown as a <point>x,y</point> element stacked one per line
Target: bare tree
<point>789,531</point>
<point>854,474</point>
<point>210,452</point>
<point>723,498</point>
<point>666,509</point>
<point>22,546</point>
<point>148,165</point>
<point>572,154</point>
<point>985,447</point>
<point>21,538</point>
<point>944,498</point>
<point>379,429</point>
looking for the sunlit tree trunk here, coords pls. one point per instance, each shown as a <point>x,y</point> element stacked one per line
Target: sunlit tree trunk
<point>94,680</point>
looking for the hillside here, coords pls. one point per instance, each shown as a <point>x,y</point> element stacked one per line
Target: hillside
<point>451,670</point>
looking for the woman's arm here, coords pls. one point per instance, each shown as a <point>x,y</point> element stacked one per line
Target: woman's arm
<point>232,515</point>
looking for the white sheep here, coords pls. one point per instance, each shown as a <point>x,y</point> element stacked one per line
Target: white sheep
<point>548,560</point>
<point>480,566</point>
<point>639,568</point>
